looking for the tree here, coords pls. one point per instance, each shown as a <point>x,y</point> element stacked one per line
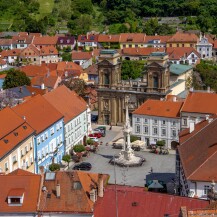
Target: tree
<point>54,167</point>
<point>15,78</point>
<point>160,143</point>
<point>79,148</point>
<point>67,158</point>
<point>90,141</point>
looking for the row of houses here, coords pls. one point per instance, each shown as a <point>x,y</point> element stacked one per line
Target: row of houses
<point>42,129</point>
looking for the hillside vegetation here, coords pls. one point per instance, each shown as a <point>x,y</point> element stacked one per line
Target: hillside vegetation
<point>114,16</point>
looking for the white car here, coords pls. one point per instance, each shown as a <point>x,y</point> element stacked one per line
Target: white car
<point>95,139</point>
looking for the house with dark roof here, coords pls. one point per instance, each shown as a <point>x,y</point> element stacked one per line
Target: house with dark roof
<point>88,41</point>
<point>76,113</point>
<point>197,158</point>
<point>66,41</point>
<point>16,142</point>
<point>47,122</point>
<point>157,120</point>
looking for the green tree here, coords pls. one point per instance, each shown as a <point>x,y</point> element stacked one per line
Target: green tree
<point>79,148</point>
<point>15,78</point>
<point>66,56</point>
<point>160,143</point>
<point>54,167</point>
<point>67,158</point>
<point>90,141</point>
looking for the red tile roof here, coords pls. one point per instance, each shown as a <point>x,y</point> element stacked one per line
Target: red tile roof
<point>132,38</point>
<point>26,38</point>
<point>92,70</point>
<point>198,151</point>
<point>39,113</point>
<point>49,82</point>
<point>145,51</point>
<point>33,70</point>
<point>134,201</point>
<point>183,37</point>
<point>7,53</point>
<point>108,38</point>
<point>81,55</point>
<point>201,102</point>
<point>13,183</point>
<point>45,40</point>
<point>175,53</point>
<point>215,44</point>
<point>159,108</point>
<point>71,200</point>
<point>4,41</point>
<point>48,50</point>
<point>27,51</point>
<point>2,62</point>
<point>67,102</point>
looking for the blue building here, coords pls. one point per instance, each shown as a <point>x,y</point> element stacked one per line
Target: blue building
<point>48,123</point>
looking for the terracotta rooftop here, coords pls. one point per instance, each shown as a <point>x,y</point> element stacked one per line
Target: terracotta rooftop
<point>25,51</point>
<point>48,50</point>
<point>200,102</point>
<point>92,70</point>
<point>134,201</point>
<point>175,53</point>
<point>75,187</point>
<point>88,38</point>
<point>132,38</point>
<point>108,38</point>
<point>198,151</point>
<point>45,40</point>
<point>39,113</point>
<point>81,55</point>
<point>67,102</point>
<point>22,39</point>
<point>183,37</point>
<point>215,44</point>
<point>5,42</point>
<point>26,183</point>
<point>13,52</point>
<point>48,81</point>
<point>34,70</point>
<point>2,62</point>
<point>144,51</point>
<point>159,108</point>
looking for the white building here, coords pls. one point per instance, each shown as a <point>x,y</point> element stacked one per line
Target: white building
<point>197,159</point>
<point>157,120</point>
<point>198,106</point>
<point>76,115</point>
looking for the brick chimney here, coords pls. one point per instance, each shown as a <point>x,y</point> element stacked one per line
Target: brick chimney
<point>100,185</point>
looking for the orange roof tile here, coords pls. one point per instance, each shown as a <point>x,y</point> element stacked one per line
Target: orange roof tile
<point>16,192</point>
<point>2,62</point>
<point>7,53</point>
<point>26,51</point>
<point>215,44</point>
<point>34,70</point>
<point>30,185</point>
<point>26,38</point>
<point>67,102</point>
<point>5,41</point>
<point>45,40</point>
<point>200,102</point>
<point>145,51</point>
<point>184,37</point>
<point>49,81</point>
<point>81,55</point>
<point>48,50</point>
<point>132,37</point>
<point>39,113</point>
<point>159,108</point>
<point>108,38</point>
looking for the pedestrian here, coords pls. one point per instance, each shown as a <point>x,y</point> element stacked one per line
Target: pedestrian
<point>110,127</point>
<point>151,170</point>
<point>106,144</point>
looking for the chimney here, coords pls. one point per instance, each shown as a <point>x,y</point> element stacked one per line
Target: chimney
<point>87,35</point>
<point>24,118</point>
<point>174,99</point>
<point>58,189</point>
<point>208,89</point>
<point>42,86</point>
<point>93,195</point>
<point>100,185</point>
<point>191,127</point>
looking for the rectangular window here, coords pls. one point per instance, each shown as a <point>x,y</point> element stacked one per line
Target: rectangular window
<point>206,189</point>
<point>145,128</point>
<point>137,119</point>
<point>146,120</point>
<point>51,131</point>
<point>185,122</point>
<point>30,145</point>
<point>155,130</point>
<point>163,122</point>
<point>137,129</point>
<point>173,132</point>
<point>46,135</point>
<point>163,132</point>
<point>173,123</point>
<point>42,138</point>
<point>6,166</point>
<point>57,126</point>
<point>39,155</point>
<point>38,140</point>
<point>26,149</point>
<point>155,121</point>
<point>14,159</point>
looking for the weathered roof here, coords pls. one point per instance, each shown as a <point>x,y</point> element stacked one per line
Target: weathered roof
<point>81,55</point>
<point>45,40</point>
<point>132,38</point>
<point>140,51</point>
<point>179,69</point>
<point>183,37</point>
<point>108,38</point>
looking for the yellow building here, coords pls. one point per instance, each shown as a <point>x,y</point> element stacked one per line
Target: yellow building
<point>183,39</point>
<point>16,142</point>
<point>128,40</point>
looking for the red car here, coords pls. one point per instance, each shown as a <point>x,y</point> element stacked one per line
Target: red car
<point>98,135</point>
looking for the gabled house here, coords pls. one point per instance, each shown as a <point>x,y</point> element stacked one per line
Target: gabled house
<point>19,193</point>
<point>6,44</point>
<point>11,56</point>
<point>183,39</point>
<point>197,107</point>
<point>49,135</point>
<point>66,41</point>
<point>108,41</point>
<point>87,42</point>
<point>157,120</point>
<point>92,72</point>
<point>3,64</point>
<point>46,41</point>
<point>48,54</point>
<point>156,40</point>
<point>22,41</point>
<point>34,70</point>
<point>16,142</point>
<point>83,59</point>
<point>132,40</point>
<point>74,109</point>
<point>183,55</point>
<point>197,158</point>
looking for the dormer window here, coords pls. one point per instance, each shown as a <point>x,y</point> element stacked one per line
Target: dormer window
<point>68,41</point>
<point>15,197</point>
<point>61,41</point>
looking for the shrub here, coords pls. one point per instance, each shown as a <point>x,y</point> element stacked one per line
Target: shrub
<point>54,167</point>
<point>79,148</point>
<point>134,138</point>
<point>160,143</point>
<point>89,141</point>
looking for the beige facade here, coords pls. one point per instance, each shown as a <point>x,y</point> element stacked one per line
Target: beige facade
<point>22,156</point>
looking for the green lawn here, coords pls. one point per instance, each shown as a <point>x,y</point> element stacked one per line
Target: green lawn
<point>46,7</point>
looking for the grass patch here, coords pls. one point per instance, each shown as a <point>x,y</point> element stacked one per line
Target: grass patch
<point>46,7</point>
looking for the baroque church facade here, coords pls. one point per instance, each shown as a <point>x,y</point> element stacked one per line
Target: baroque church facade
<point>112,90</point>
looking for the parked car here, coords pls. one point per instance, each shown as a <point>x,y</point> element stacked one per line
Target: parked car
<point>102,129</point>
<point>83,166</point>
<point>95,139</point>
<point>95,134</point>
